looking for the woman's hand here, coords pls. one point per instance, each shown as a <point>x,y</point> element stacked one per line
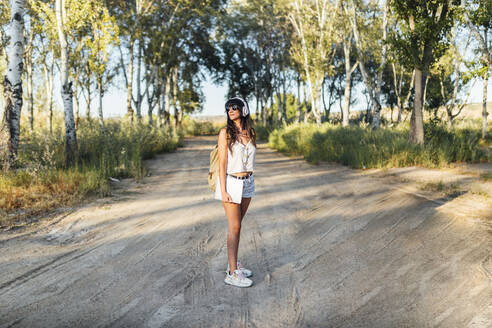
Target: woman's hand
<point>226,197</point>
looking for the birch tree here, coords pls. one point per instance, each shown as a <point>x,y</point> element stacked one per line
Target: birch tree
<point>12,84</point>
<point>102,35</point>
<point>479,21</point>
<point>43,22</point>
<point>313,48</point>
<point>370,45</point>
<point>29,69</point>
<point>346,37</point>
<point>66,85</point>
<point>129,15</point>
<point>449,71</point>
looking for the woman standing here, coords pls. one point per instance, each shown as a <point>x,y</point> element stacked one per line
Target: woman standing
<point>237,150</point>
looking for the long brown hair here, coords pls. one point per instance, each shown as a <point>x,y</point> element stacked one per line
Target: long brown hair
<point>232,132</point>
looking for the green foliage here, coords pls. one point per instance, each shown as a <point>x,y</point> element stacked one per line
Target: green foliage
<point>423,25</point>
<point>482,15</point>
<point>263,131</point>
<point>201,128</point>
<point>362,147</point>
<point>118,151</point>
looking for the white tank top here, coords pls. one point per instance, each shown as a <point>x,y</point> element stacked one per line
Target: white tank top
<point>242,157</point>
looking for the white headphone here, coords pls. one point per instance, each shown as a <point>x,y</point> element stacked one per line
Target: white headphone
<point>245,110</point>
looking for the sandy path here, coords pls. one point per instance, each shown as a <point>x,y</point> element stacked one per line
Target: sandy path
<point>329,247</point>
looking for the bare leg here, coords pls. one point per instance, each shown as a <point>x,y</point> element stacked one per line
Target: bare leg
<point>233,213</point>
<point>244,206</point>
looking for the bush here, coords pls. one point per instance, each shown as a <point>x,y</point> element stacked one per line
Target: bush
<point>361,147</point>
<point>42,181</point>
<point>263,130</point>
<point>198,128</point>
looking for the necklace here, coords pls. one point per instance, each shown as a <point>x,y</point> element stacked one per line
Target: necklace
<point>245,156</point>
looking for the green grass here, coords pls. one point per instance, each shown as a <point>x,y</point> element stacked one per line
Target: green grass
<point>450,190</point>
<point>199,128</point>
<point>362,147</point>
<point>486,176</point>
<point>42,182</point>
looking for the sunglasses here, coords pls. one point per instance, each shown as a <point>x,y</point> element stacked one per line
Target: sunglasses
<point>233,107</point>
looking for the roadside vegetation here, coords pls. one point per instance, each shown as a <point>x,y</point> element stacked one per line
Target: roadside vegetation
<point>363,147</point>
<point>42,181</point>
<point>193,127</point>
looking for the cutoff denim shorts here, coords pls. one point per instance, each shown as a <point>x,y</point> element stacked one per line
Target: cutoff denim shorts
<point>249,187</point>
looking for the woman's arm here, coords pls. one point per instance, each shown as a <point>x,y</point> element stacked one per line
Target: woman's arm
<point>223,164</point>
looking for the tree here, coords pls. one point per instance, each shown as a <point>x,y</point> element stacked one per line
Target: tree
<point>370,45</point>
<point>249,40</point>
<point>29,69</point>
<point>12,84</point>
<point>313,47</point>
<point>102,33</point>
<point>66,85</point>
<point>43,23</point>
<point>478,17</point>
<point>452,79</point>
<point>420,40</point>
<point>346,38</point>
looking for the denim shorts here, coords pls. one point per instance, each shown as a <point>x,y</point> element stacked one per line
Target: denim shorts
<point>248,187</point>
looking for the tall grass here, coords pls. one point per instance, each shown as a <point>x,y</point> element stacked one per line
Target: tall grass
<point>193,127</point>
<point>42,182</point>
<point>201,128</point>
<point>362,147</point>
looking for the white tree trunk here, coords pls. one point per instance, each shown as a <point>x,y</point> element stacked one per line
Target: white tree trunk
<point>165,101</point>
<point>284,103</point>
<point>298,111</point>
<point>407,98</point>
<point>177,113</point>
<point>29,82</point>
<point>372,90</point>
<point>66,92</point>
<point>10,127</point>
<point>89,102</point>
<point>162,102</point>
<point>100,107</point>
<point>379,80</point>
<point>138,104</point>
<point>313,88</point>
<point>129,84</point>
<point>484,106</point>
<point>77,101</point>
<point>397,88</point>
<point>307,112</point>
<point>348,82</point>
<point>279,106</point>
<point>48,77</point>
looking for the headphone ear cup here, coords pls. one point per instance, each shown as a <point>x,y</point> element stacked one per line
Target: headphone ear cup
<point>245,108</point>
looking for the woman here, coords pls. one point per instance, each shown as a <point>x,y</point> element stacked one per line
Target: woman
<point>237,150</point>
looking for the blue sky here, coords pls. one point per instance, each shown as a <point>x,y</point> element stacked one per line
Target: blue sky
<point>114,102</point>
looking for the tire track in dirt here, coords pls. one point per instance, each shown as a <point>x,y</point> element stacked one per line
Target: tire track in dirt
<point>328,246</point>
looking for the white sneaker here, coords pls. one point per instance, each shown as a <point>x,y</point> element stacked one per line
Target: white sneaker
<point>247,272</point>
<point>237,279</point>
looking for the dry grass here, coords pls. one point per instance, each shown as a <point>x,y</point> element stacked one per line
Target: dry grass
<point>42,182</point>
<point>448,189</point>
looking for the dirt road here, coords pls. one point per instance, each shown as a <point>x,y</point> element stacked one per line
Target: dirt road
<point>329,247</point>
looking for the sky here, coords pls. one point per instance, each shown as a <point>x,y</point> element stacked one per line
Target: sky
<point>114,103</point>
